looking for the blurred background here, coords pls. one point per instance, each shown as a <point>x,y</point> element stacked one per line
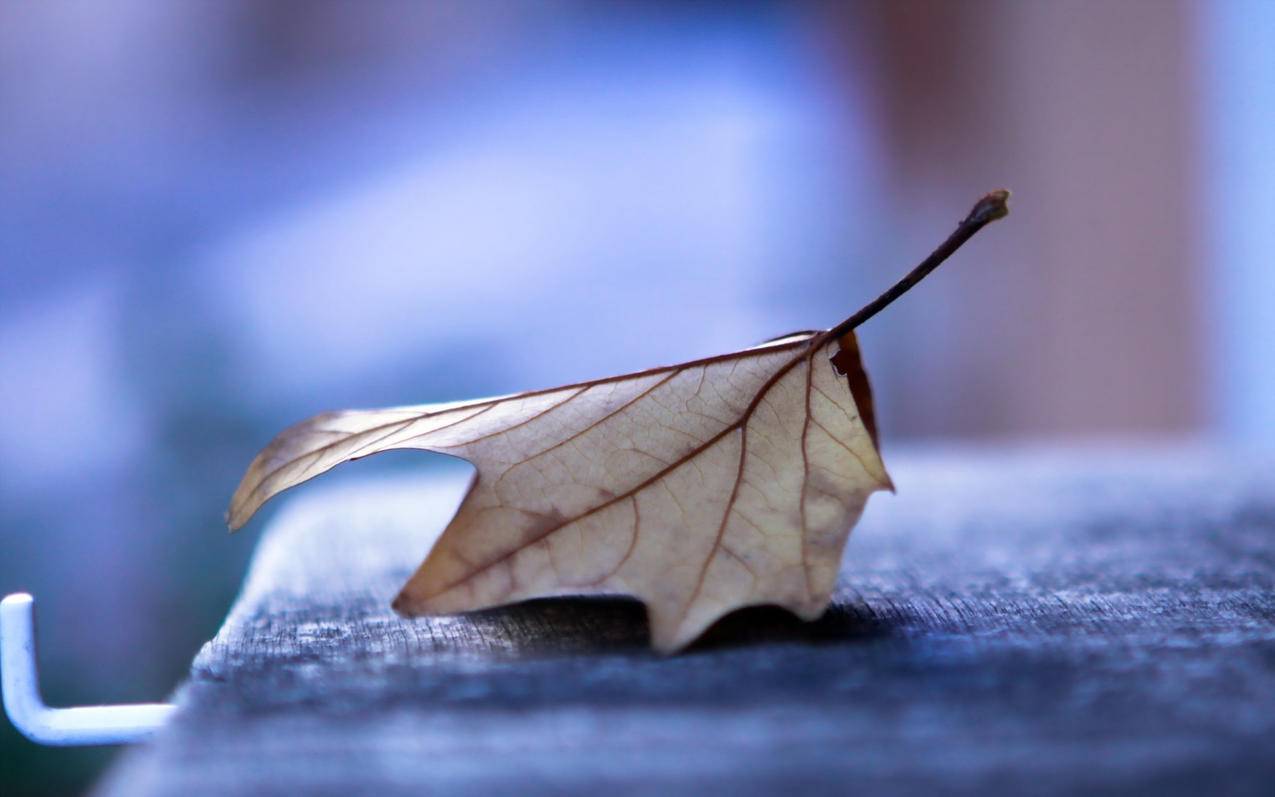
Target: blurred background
<point>219,218</point>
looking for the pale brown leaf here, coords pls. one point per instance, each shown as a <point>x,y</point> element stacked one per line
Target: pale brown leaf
<point>698,488</point>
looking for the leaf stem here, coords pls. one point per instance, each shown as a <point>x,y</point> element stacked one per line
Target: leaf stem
<point>991,207</point>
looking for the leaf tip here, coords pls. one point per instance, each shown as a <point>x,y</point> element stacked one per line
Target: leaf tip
<point>407,605</point>
<point>666,644</point>
<point>237,515</point>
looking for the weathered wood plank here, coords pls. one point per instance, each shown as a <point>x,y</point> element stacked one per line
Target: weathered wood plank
<point>1029,621</point>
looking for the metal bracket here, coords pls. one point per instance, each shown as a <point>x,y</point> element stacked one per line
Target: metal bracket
<point>64,727</point>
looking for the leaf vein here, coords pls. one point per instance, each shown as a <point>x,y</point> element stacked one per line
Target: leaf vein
<point>537,416</point>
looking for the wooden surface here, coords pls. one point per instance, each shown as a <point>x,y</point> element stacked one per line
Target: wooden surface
<point>1011,622</point>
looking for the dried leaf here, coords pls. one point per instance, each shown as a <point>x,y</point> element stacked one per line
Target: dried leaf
<point>698,488</point>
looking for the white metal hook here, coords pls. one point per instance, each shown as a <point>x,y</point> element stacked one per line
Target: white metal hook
<point>20,683</point>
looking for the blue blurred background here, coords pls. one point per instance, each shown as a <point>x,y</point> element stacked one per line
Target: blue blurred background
<point>219,218</point>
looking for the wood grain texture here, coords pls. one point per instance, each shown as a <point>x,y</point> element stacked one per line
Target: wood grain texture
<point>1034,622</point>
